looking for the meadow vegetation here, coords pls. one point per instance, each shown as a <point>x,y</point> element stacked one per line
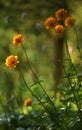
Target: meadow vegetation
<point>40,65</point>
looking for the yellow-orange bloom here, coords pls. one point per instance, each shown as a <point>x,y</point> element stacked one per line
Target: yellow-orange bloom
<point>59,29</point>
<point>70,22</point>
<point>28,102</point>
<point>61,14</point>
<point>11,61</point>
<point>18,39</point>
<point>50,22</point>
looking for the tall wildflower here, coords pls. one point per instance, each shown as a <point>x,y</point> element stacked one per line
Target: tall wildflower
<point>11,61</point>
<point>60,22</point>
<point>18,39</point>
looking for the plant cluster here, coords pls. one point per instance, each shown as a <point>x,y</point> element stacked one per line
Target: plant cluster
<point>60,22</point>
<point>41,111</point>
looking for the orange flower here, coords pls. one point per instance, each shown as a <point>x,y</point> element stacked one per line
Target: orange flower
<point>18,39</point>
<point>28,102</point>
<point>59,29</point>
<point>50,22</point>
<point>11,61</point>
<point>61,14</point>
<point>69,22</point>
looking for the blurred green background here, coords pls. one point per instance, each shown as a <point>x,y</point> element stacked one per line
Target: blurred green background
<point>27,18</point>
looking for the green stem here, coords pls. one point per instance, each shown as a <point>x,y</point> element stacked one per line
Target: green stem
<point>79,50</point>
<point>41,85</point>
<point>71,89</point>
<point>33,94</point>
<point>72,66</point>
<point>38,79</point>
<point>77,39</point>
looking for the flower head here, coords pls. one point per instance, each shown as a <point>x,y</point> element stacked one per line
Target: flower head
<point>59,29</point>
<point>18,39</point>
<point>50,22</point>
<point>11,61</point>
<point>28,102</point>
<point>61,14</point>
<point>69,22</point>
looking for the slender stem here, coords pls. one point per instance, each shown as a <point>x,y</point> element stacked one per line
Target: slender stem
<point>78,44</point>
<point>30,89</point>
<point>40,86</point>
<point>33,94</point>
<point>77,39</point>
<point>38,79</point>
<point>72,66</point>
<point>71,88</point>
